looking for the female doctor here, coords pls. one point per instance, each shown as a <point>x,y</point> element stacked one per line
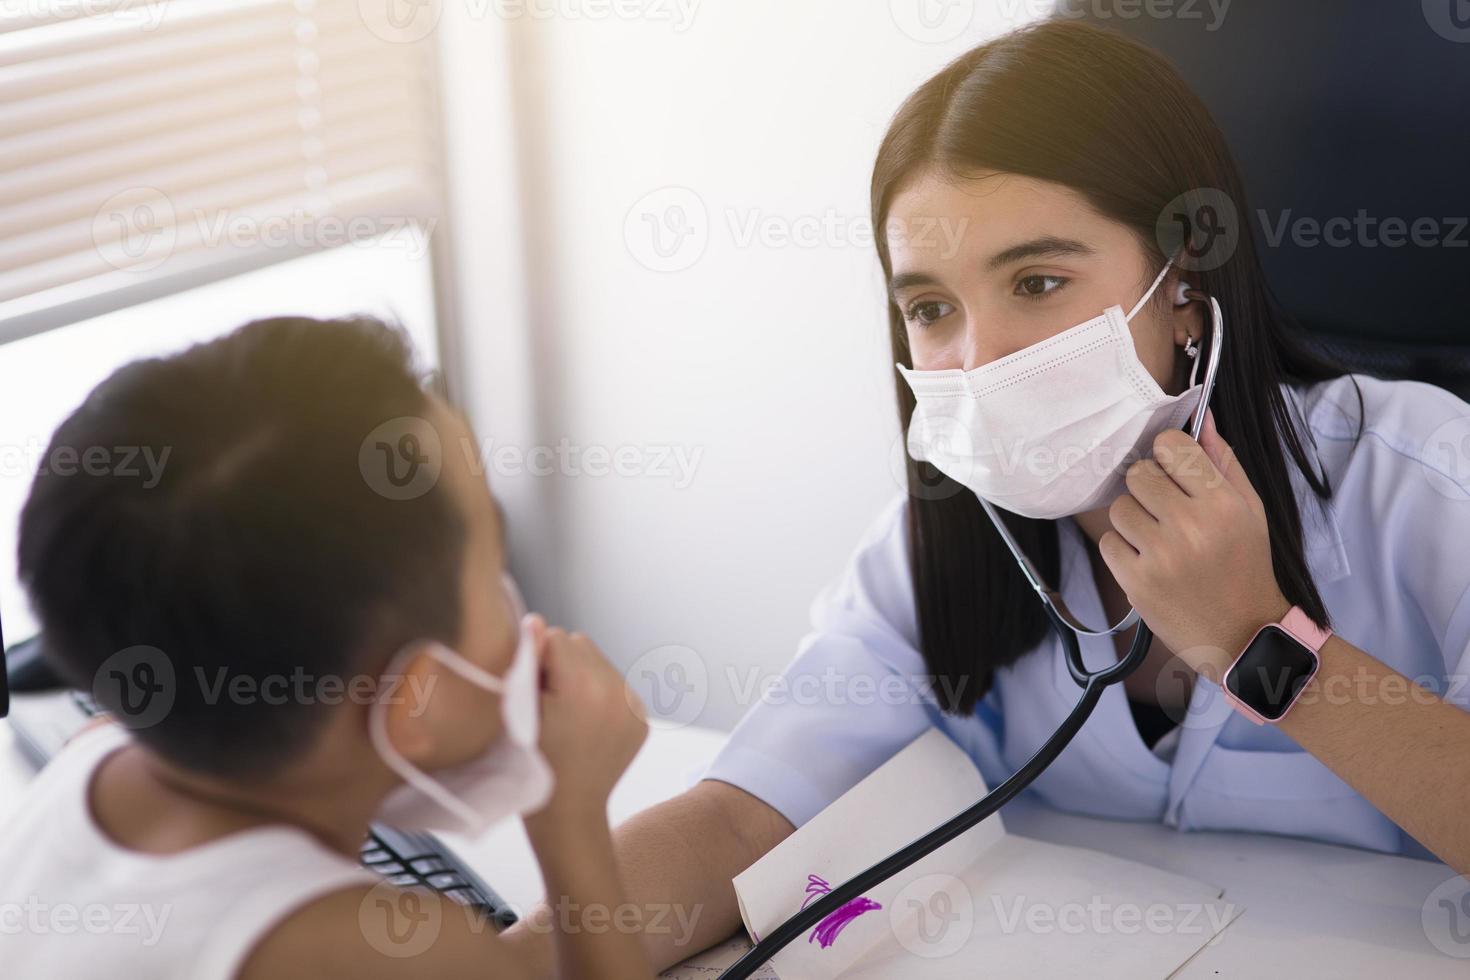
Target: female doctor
<point>1312,497</point>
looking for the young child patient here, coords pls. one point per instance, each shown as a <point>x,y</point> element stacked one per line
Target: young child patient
<point>302,626</point>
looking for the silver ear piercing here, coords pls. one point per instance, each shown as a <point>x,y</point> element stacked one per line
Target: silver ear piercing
<point>1191,351</point>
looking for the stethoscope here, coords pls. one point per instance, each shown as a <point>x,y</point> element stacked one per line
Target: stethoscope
<point>1092,683</point>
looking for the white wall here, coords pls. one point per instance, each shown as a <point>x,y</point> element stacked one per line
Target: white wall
<point>763,360</point>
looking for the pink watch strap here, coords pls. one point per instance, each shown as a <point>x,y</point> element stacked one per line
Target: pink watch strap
<point>1300,625</point>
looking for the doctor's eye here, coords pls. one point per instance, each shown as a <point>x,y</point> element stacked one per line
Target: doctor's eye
<point>1037,287</point>
<point>926,311</point>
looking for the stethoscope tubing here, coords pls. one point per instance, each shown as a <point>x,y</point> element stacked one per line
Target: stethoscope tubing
<point>1093,683</point>
<point>808,917</point>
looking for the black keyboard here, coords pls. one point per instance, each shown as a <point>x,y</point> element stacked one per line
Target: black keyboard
<point>409,858</point>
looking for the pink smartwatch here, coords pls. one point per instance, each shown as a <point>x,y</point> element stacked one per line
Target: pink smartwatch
<point>1272,671</point>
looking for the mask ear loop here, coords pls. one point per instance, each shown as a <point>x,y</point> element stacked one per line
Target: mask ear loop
<point>388,752</point>
<point>1150,291</point>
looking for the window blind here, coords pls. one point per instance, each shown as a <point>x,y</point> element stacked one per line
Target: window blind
<point>148,143</point>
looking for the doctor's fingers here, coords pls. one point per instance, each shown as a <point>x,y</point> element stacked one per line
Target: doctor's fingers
<point>1154,488</point>
<point>1187,463</point>
<point>1134,523</point>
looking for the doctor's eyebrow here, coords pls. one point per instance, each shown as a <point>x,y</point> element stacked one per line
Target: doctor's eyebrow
<point>1049,245</point>
<point>1046,246</point>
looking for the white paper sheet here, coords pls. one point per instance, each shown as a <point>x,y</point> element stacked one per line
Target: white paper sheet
<point>985,904</point>
<point>925,783</point>
<point>712,962</point>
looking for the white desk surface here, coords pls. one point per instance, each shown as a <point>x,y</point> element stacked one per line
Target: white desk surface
<point>1311,910</point>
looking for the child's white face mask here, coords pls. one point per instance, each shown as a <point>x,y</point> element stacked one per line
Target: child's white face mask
<point>1048,431</point>
<point>510,777</point>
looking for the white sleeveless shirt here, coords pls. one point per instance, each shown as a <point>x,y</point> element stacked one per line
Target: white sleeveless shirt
<point>76,906</point>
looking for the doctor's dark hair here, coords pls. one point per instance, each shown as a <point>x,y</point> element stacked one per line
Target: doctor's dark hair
<point>1087,108</point>
<point>256,554</point>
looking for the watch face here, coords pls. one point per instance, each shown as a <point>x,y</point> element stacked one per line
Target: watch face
<point>1271,672</point>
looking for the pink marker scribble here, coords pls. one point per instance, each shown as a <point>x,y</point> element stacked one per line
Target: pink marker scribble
<point>827,930</point>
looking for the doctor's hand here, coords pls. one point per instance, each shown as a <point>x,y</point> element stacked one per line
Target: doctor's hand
<point>1191,549</point>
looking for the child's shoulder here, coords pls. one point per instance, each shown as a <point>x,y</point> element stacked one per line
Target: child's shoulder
<point>194,913</point>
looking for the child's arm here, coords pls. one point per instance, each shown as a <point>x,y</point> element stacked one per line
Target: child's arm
<point>677,859</point>
<point>349,934</point>
<point>591,729</point>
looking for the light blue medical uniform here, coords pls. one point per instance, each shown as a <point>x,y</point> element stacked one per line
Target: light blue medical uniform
<point>1390,556</point>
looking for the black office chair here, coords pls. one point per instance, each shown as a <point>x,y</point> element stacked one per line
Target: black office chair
<point>1332,107</point>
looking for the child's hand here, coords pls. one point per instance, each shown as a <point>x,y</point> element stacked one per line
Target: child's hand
<point>591,724</point>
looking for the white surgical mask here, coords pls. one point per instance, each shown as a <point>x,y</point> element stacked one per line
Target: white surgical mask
<point>510,777</point>
<point>1048,431</point>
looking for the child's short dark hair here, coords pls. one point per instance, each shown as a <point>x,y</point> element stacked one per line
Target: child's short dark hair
<point>260,555</point>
